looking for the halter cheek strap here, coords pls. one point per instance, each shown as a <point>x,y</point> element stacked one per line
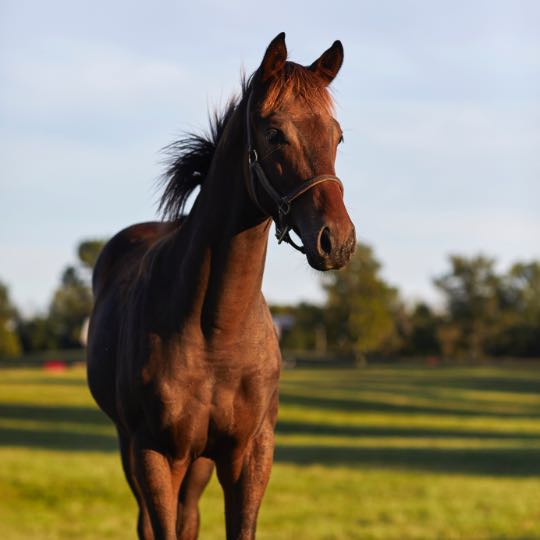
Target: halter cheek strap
<point>282,202</point>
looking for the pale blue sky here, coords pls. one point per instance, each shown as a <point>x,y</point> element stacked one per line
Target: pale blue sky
<point>439,102</point>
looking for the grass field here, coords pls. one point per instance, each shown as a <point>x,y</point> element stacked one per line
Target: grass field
<point>391,453</point>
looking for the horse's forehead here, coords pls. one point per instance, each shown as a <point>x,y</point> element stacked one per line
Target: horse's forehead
<point>301,108</point>
<point>306,119</point>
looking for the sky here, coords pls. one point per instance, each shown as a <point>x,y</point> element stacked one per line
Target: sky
<point>439,103</point>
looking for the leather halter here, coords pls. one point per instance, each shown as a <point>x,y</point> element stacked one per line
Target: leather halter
<point>283,202</point>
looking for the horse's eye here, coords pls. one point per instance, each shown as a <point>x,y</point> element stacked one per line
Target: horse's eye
<point>275,136</point>
<point>341,139</point>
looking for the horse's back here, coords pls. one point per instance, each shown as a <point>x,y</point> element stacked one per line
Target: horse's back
<point>115,270</point>
<point>124,251</point>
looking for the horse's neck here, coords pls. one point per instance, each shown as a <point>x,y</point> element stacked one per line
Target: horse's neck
<point>233,292</point>
<point>224,251</point>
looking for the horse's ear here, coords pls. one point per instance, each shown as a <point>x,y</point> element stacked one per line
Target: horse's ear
<point>274,57</point>
<point>329,63</point>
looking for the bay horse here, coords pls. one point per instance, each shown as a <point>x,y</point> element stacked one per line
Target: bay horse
<point>182,351</point>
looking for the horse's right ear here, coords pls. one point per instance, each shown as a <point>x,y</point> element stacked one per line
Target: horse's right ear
<point>274,58</point>
<point>329,63</point>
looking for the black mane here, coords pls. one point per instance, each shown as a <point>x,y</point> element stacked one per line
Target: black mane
<point>190,160</point>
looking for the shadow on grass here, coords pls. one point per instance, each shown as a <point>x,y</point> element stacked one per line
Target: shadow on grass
<point>520,381</point>
<point>45,413</point>
<point>340,430</point>
<point>72,441</point>
<point>509,462</point>
<point>531,385</point>
<point>364,405</point>
<point>504,462</point>
<point>63,438</point>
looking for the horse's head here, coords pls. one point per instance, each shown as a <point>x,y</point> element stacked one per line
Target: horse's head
<point>292,143</point>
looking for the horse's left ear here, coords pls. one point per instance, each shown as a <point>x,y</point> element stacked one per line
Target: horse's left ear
<point>329,63</point>
<point>274,58</point>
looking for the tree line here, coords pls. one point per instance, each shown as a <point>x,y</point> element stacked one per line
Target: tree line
<point>60,327</point>
<point>485,313</point>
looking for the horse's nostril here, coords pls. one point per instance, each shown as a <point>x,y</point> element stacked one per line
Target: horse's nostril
<point>325,242</point>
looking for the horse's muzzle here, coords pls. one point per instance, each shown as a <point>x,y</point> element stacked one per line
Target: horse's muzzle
<point>331,248</point>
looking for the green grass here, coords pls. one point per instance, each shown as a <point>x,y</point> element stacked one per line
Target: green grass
<point>390,453</point>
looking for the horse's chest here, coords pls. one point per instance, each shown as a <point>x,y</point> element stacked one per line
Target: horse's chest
<point>238,408</point>
<point>199,411</point>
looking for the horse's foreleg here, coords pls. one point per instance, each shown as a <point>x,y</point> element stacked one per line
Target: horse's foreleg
<point>159,480</point>
<point>244,480</point>
<point>197,477</point>
<point>144,527</point>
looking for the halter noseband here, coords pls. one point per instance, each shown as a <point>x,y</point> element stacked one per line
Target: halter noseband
<point>283,202</point>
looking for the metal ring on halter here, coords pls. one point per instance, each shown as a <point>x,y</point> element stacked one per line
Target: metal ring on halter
<point>252,156</point>
<point>284,207</point>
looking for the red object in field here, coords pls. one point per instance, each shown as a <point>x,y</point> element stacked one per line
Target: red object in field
<point>432,361</point>
<point>54,365</point>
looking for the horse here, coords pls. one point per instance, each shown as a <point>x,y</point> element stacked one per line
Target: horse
<point>183,355</point>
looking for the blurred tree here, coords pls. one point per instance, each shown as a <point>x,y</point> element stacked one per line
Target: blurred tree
<point>89,251</point>
<point>71,304</point>
<point>306,326</point>
<point>421,331</point>
<point>471,290</point>
<point>72,301</point>
<point>519,297</point>
<point>9,340</point>
<point>449,338</point>
<point>37,334</point>
<point>360,306</point>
